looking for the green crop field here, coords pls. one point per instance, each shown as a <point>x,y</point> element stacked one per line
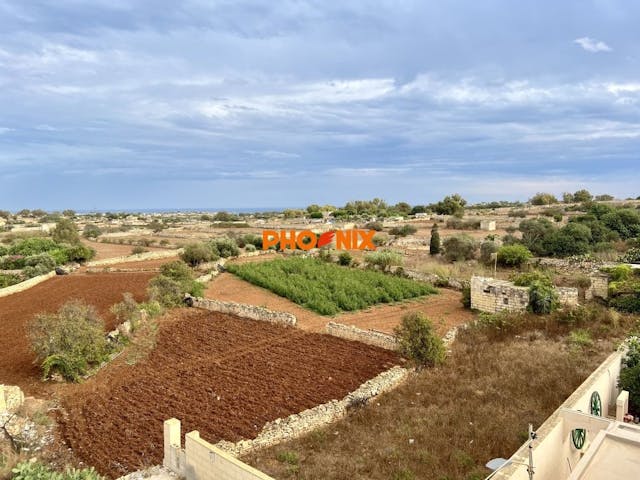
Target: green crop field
<point>328,288</point>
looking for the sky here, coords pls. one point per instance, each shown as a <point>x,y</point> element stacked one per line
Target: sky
<point>111,104</point>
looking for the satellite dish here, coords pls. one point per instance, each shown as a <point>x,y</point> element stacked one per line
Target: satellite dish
<point>497,463</point>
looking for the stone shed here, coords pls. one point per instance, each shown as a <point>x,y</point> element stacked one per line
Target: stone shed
<point>493,295</point>
<point>488,225</point>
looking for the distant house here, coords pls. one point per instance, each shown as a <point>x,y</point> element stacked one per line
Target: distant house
<point>488,225</point>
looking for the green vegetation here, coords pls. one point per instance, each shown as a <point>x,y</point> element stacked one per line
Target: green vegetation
<point>434,241</point>
<point>450,205</point>
<point>175,279</point>
<point>543,297</point>
<point>513,255</point>
<point>630,375</point>
<point>418,342</point>
<point>65,232</point>
<point>624,289</point>
<point>403,231</point>
<point>328,288</point>
<point>459,247</point>
<point>196,253</point>
<point>383,259</point>
<point>69,342</point>
<point>39,471</point>
<point>542,198</point>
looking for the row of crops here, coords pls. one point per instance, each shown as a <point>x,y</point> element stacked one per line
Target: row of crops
<point>327,288</point>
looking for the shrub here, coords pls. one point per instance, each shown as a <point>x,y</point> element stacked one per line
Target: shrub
<point>418,342</point>
<point>383,260</point>
<point>543,297</point>
<point>380,240</point>
<point>466,296</point>
<point>250,247</point>
<point>377,226</point>
<point>630,374</point>
<point>434,242</point>
<point>196,253</point>
<point>626,303</point>
<point>345,259</point>
<point>138,249</point>
<point>543,199</point>
<point>459,224</point>
<point>580,338</point>
<point>38,471</point>
<point>487,248</point>
<point>8,280</point>
<point>632,256</point>
<point>69,342</point>
<point>513,255</point>
<point>127,310</point>
<point>32,246</point>
<point>65,232</point>
<point>91,231</point>
<point>175,279</point>
<point>517,214</point>
<point>224,247</point>
<point>403,231</point>
<point>459,247</point>
<point>79,253</point>
<point>620,273</point>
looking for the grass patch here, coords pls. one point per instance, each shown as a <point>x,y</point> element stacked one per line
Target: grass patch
<point>442,422</point>
<point>326,288</point>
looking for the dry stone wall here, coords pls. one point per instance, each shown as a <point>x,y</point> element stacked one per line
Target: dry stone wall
<point>567,296</point>
<point>370,337</point>
<point>20,287</point>
<point>245,311</point>
<point>301,423</point>
<point>136,258</point>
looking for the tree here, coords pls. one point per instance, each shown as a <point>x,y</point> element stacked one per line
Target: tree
<point>417,340</point>
<point>65,232</point>
<point>604,198</point>
<point>450,205</point>
<point>534,231</point>
<point>459,247</point>
<point>196,253</point>
<point>582,196</point>
<point>434,242</point>
<point>630,375</point>
<point>69,213</point>
<point>513,255</point>
<point>69,342</point>
<point>567,197</point>
<point>91,231</point>
<point>542,198</point>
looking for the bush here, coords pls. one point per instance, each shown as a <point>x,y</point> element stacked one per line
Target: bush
<point>127,310</point>
<point>459,224</point>
<point>626,303</point>
<point>345,259</point>
<point>630,374</point>
<point>513,255</point>
<point>632,256</point>
<point>403,231</point>
<point>487,248</point>
<point>459,247</point>
<point>543,297</point>
<point>418,342</point>
<point>377,226</point>
<point>91,231</point>
<point>224,247</point>
<point>38,471</point>
<point>79,253</point>
<point>65,232</point>
<point>543,199</point>
<point>383,260</point>
<point>196,253</point>
<point>32,246</point>
<point>250,247</point>
<point>466,296</point>
<point>517,214</point>
<point>69,342</point>
<point>434,242</point>
<point>8,280</point>
<point>175,279</point>
<point>138,249</point>
<point>620,273</point>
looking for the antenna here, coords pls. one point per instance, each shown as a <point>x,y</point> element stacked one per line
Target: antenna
<point>497,464</point>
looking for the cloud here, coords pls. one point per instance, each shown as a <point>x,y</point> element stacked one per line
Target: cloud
<point>592,45</point>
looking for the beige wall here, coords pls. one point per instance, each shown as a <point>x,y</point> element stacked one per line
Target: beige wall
<point>370,337</point>
<point>246,311</point>
<point>200,460</point>
<point>553,453</point>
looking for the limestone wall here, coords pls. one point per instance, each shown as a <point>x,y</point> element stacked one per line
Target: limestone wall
<point>370,337</point>
<point>199,460</point>
<point>298,424</point>
<point>567,296</point>
<point>20,287</point>
<point>136,258</point>
<point>11,398</point>
<point>245,311</point>
<point>599,286</point>
<point>491,295</point>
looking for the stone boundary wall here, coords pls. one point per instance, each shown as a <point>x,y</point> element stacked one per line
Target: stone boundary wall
<point>136,258</point>
<point>121,270</point>
<point>434,279</point>
<point>567,296</point>
<point>245,311</point>
<point>22,286</point>
<point>299,424</point>
<point>370,337</point>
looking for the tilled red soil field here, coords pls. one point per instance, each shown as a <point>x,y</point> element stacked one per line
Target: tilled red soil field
<point>218,374</point>
<point>100,290</point>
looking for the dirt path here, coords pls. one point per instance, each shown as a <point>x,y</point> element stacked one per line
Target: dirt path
<point>218,374</point>
<point>100,290</point>
<point>444,309</point>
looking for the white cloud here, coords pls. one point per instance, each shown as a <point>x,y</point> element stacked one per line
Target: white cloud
<point>592,45</point>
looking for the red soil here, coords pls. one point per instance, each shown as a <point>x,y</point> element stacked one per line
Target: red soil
<point>100,290</point>
<point>444,308</point>
<point>218,374</point>
<point>112,250</point>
